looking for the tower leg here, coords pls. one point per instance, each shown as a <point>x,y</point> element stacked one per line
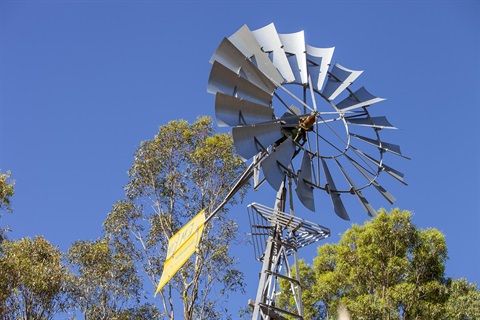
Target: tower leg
<point>276,266</point>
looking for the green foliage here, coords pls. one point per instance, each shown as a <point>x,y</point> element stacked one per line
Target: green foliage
<point>106,285</point>
<point>386,269</point>
<point>6,193</point>
<point>183,169</point>
<point>463,300</point>
<point>146,311</point>
<point>33,280</point>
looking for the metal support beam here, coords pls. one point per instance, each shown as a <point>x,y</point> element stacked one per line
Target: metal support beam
<point>276,266</point>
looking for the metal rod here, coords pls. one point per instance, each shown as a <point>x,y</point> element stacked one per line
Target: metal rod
<point>246,175</point>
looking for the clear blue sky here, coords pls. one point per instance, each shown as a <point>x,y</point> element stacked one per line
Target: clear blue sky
<point>83,82</point>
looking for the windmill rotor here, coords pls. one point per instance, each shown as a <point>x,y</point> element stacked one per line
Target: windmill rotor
<point>286,101</point>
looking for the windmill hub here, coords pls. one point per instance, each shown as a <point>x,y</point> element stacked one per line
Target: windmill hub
<point>306,123</point>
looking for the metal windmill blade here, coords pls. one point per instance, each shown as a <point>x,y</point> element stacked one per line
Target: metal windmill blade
<point>294,112</point>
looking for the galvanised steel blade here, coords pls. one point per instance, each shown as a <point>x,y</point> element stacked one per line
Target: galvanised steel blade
<point>228,82</point>
<point>277,162</point>
<point>385,146</point>
<point>294,46</point>
<point>366,205</point>
<point>377,186</point>
<point>229,56</point>
<point>318,61</point>
<point>268,39</point>
<point>360,98</point>
<point>374,122</point>
<point>394,173</point>
<point>304,188</point>
<point>250,140</point>
<point>244,40</point>
<point>339,79</point>
<point>231,111</point>
<point>338,206</point>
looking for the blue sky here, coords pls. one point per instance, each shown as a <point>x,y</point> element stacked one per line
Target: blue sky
<point>83,82</point>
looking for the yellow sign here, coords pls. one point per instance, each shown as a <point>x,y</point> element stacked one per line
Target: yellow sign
<point>181,247</point>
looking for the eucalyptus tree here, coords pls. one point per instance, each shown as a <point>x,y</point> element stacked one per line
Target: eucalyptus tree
<point>185,168</point>
<point>33,280</point>
<point>6,192</point>
<point>106,285</point>
<point>463,300</point>
<point>384,269</point>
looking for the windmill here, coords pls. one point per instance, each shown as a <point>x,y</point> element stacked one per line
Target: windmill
<point>294,114</point>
